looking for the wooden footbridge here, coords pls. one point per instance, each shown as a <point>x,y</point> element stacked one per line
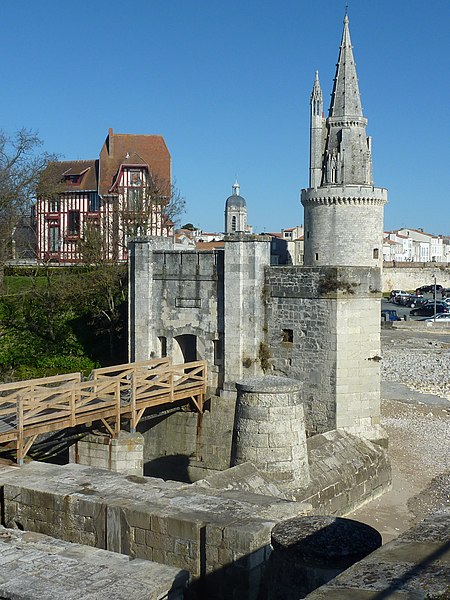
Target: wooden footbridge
<point>110,395</point>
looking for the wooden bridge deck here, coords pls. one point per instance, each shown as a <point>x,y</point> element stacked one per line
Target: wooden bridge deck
<point>111,395</point>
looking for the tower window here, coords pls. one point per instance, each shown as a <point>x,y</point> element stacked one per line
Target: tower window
<point>287,336</point>
<point>233,223</point>
<point>375,253</point>
<point>317,256</point>
<point>163,345</point>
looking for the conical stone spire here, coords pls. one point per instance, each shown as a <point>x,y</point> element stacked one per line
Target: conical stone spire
<point>347,158</point>
<point>345,99</point>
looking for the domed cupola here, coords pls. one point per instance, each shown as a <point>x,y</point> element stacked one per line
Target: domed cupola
<point>235,212</point>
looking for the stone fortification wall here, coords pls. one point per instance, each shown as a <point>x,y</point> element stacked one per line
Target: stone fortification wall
<point>174,294</point>
<point>323,329</point>
<point>186,446</point>
<point>409,276</point>
<point>346,471</point>
<point>193,528</point>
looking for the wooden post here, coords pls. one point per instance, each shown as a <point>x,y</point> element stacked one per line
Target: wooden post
<point>72,404</point>
<point>117,430</point>
<point>133,424</point>
<point>20,440</point>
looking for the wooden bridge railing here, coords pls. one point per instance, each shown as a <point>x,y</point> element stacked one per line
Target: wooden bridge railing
<point>33,407</point>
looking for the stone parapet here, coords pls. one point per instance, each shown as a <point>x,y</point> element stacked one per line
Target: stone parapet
<point>344,194</point>
<point>323,282</point>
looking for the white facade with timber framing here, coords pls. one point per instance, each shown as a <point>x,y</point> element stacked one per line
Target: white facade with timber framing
<point>117,197</point>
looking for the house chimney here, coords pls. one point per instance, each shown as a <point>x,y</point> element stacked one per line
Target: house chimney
<point>111,142</point>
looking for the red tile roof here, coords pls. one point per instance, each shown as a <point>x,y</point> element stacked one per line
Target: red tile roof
<point>86,169</point>
<point>209,245</point>
<point>124,148</point>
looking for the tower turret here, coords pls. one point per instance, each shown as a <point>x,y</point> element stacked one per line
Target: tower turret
<point>343,210</point>
<point>317,123</point>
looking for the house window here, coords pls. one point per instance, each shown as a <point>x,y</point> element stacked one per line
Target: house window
<point>375,252</point>
<point>73,224</point>
<point>53,237</point>
<point>93,202</point>
<point>53,205</point>
<point>135,178</point>
<point>135,200</point>
<point>233,223</point>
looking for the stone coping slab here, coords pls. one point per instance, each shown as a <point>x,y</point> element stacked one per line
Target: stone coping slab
<point>100,485</point>
<point>33,565</point>
<point>269,384</point>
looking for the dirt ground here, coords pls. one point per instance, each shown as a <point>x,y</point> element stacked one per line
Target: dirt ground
<point>419,444</point>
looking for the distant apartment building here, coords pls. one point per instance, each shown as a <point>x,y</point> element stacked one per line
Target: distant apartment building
<point>415,245</point>
<point>287,247</point>
<point>119,196</point>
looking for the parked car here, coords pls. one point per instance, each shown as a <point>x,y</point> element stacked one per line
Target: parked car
<point>403,300</point>
<point>427,309</point>
<point>388,314</point>
<point>401,297</point>
<point>441,317</point>
<point>413,301</point>
<point>395,293</point>
<point>429,289</point>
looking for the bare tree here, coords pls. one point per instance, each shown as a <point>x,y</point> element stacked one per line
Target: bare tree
<point>21,166</point>
<point>149,209</point>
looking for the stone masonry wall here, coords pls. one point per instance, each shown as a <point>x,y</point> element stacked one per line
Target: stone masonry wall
<point>187,446</point>
<point>222,537</point>
<point>177,293</point>
<point>408,276</point>
<point>304,336</point>
<point>346,472</point>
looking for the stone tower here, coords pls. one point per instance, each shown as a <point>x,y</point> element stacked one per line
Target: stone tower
<point>343,209</point>
<point>236,212</point>
<point>343,248</point>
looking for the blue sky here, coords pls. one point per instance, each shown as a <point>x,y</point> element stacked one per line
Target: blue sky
<point>227,84</point>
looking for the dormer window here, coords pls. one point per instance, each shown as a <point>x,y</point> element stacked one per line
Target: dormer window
<point>73,179</point>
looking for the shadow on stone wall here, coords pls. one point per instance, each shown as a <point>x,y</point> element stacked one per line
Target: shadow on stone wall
<point>174,467</point>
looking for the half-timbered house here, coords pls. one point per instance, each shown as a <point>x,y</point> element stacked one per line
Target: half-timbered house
<point>119,196</point>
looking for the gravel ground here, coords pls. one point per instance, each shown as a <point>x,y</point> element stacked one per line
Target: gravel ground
<point>416,415</point>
